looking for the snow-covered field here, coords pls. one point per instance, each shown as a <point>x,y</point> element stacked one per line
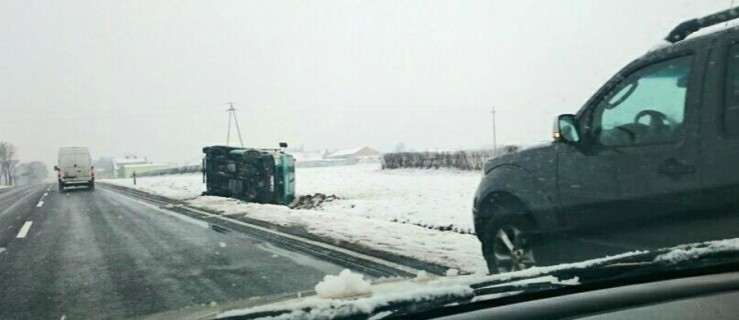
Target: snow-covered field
<point>437,198</point>
<point>176,186</point>
<point>378,208</point>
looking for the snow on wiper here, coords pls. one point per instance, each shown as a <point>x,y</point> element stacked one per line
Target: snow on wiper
<point>346,296</point>
<point>604,267</point>
<point>412,295</point>
<point>394,300</point>
<point>693,252</point>
<point>320,308</point>
<point>565,269</point>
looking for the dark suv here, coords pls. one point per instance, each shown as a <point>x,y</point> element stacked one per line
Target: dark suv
<point>651,160</point>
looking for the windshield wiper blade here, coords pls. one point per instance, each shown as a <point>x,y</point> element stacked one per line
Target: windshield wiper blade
<point>525,287</point>
<point>629,264</point>
<point>567,271</point>
<point>607,272</point>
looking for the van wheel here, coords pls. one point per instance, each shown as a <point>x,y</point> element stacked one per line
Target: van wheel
<point>91,186</point>
<point>509,241</point>
<point>61,187</point>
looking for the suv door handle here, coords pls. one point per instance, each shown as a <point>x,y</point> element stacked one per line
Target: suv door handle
<point>674,167</point>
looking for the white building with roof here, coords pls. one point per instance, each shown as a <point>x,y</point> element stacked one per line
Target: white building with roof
<point>118,164</point>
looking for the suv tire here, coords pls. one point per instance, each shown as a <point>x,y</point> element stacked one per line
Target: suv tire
<point>509,239</point>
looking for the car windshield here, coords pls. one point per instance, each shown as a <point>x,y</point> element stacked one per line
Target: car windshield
<point>185,159</point>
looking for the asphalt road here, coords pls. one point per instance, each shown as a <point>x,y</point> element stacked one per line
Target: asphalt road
<point>98,254</point>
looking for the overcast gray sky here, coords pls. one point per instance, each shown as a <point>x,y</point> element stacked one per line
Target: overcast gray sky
<point>152,77</point>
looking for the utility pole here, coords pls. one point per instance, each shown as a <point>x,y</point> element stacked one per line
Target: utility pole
<point>495,142</point>
<point>232,114</point>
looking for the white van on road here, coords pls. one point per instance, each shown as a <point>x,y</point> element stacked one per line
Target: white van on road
<point>74,168</point>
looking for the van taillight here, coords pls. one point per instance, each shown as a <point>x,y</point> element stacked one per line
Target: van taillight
<point>92,172</point>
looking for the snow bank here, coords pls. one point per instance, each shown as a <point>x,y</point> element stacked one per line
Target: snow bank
<point>346,284</point>
<point>176,186</point>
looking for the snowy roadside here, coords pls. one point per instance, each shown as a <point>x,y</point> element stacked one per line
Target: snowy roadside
<point>454,250</point>
<point>176,186</point>
<point>378,209</point>
<point>439,198</point>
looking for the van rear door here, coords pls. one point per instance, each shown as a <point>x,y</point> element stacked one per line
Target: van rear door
<point>75,165</point>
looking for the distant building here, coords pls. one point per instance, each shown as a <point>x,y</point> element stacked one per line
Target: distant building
<point>319,158</point>
<point>127,160</point>
<point>307,155</point>
<point>307,159</point>
<point>354,155</point>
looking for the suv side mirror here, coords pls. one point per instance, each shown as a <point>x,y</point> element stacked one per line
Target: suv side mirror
<point>565,129</point>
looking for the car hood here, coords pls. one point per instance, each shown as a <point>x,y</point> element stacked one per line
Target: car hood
<point>386,296</point>
<point>532,158</point>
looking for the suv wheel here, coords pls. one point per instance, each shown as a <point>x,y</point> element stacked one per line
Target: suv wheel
<point>508,242</point>
<point>512,249</point>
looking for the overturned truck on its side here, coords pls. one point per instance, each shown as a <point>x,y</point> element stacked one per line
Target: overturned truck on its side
<point>248,174</point>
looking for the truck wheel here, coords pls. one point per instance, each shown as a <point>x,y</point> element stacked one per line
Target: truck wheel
<point>509,241</point>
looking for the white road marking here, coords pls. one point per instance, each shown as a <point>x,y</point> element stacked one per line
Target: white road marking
<point>46,194</point>
<point>40,204</point>
<point>24,229</point>
<point>2,249</point>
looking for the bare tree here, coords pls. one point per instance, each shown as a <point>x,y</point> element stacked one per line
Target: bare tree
<point>3,155</point>
<point>7,162</point>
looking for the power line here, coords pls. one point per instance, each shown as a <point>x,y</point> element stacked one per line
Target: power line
<point>232,114</point>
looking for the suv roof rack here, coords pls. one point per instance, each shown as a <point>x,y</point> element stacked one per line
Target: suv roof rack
<point>684,29</point>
